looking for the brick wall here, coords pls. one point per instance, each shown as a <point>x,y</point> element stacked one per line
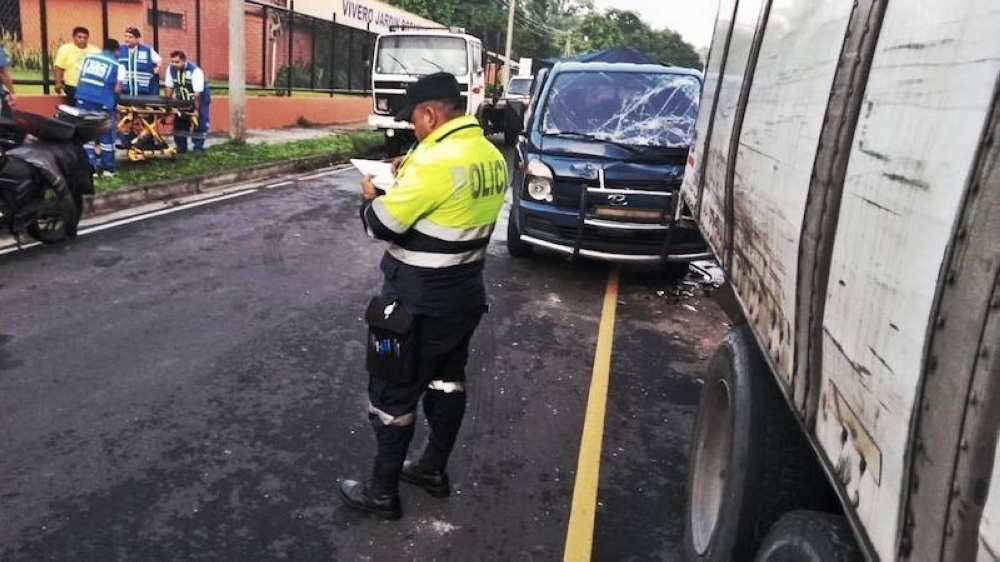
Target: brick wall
<point>263,59</point>
<point>64,15</point>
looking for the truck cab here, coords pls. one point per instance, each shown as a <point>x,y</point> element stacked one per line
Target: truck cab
<point>601,163</point>
<point>402,56</point>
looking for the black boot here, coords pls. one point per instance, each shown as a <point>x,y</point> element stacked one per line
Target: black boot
<point>380,495</point>
<point>434,482</point>
<point>363,496</point>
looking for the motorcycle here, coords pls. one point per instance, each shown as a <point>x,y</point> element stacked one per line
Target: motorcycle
<point>43,179</point>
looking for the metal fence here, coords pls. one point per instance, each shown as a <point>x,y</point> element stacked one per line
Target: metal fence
<point>285,51</point>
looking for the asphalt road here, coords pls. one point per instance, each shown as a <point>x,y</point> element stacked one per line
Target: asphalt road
<point>191,386</point>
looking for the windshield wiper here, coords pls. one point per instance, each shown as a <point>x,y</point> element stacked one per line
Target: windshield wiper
<point>592,137</point>
<point>405,68</point>
<point>439,67</point>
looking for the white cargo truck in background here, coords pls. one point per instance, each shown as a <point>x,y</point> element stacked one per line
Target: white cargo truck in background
<point>405,54</point>
<point>846,173</point>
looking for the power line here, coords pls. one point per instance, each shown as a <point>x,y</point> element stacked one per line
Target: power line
<point>541,27</point>
<point>537,26</point>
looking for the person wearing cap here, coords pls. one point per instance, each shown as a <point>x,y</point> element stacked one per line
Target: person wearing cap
<point>142,72</point>
<point>142,65</point>
<point>437,218</point>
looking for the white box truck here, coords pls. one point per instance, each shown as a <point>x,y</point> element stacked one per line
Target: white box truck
<point>405,54</point>
<point>846,173</point>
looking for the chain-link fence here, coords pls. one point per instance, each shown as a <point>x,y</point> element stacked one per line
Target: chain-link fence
<point>285,51</point>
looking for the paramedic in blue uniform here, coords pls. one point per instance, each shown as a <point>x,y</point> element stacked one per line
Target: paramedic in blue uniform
<point>185,81</point>
<point>437,218</point>
<point>100,82</point>
<point>142,70</point>
<point>142,65</point>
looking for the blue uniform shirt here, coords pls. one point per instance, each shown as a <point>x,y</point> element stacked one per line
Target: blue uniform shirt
<point>185,82</point>
<point>99,73</point>
<point>140,80</point>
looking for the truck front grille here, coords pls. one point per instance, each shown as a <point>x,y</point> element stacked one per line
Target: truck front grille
<point>393,101</point>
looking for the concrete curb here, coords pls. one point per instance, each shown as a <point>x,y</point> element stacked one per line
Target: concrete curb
<point>104,203</point>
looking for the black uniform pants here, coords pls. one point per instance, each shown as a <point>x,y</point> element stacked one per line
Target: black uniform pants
<point>442,347</point>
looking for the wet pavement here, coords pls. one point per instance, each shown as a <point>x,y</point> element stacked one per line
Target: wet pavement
<point>191,387</point>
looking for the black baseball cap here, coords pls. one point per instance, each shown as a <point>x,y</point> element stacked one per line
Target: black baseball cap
<point>437,86</point>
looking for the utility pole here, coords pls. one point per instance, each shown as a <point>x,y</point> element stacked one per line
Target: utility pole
<point>510,39</point>
<point>237,72</point>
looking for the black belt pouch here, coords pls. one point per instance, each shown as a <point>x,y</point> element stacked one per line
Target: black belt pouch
<point>390,353</point>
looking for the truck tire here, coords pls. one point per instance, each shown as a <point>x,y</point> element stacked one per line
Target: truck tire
<point>509,136</point>
<point>482,116</point>
<point>512,122</point>
<point>515,247</point>
<point>393,146</point>
<point>750,463</point>
<point>810,536</point>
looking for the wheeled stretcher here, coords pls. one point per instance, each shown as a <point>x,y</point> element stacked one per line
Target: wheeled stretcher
<point>140,119</point>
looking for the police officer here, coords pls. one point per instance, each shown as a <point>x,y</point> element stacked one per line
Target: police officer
<point>186,81</point>
<point>437,218</point>
<point>100,82</point>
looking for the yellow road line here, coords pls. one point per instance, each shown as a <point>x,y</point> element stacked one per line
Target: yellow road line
<point>580,535</point>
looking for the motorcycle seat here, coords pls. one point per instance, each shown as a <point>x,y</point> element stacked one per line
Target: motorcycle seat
<point>43,127</point>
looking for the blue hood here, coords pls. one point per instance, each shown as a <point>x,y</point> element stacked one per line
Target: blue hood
<point>570,158</point>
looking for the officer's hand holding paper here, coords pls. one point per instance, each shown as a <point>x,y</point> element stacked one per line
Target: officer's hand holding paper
<point>381,172</point>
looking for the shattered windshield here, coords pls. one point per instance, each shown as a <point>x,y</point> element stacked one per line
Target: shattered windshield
<point>519,86</point>
<point>637,109</point>
<point>421,54</point>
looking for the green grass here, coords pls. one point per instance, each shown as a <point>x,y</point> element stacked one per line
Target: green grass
<point>232,156</point>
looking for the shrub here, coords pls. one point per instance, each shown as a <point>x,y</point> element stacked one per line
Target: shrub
<point>17,56</point>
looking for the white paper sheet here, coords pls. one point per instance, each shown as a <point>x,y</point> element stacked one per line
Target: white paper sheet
<point>381,170</point>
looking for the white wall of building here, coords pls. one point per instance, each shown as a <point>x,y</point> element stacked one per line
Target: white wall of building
<point>370,15</point>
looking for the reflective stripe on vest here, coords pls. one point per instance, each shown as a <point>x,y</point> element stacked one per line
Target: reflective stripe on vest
<point>444,203</point>
<point>451,234</point>
<point>435,260</point>
<point>139,73</point>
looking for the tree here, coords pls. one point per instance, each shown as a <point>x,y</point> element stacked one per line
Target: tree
<point>536,29</point>
<point>541,27</point>
<point>618,27</point>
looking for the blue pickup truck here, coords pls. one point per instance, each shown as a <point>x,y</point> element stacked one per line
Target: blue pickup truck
<point>601,161</point>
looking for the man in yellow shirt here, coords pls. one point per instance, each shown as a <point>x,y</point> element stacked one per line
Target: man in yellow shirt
<point>69,57</point>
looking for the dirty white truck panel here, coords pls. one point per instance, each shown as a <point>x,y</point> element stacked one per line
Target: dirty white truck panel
<point>868,272</point>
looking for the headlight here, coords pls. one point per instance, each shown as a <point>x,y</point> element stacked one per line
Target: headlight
<point>538,181</point>
<point>540,189</point>
<point>382,104</point>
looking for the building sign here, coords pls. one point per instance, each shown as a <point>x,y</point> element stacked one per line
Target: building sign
<point>370,15</point>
